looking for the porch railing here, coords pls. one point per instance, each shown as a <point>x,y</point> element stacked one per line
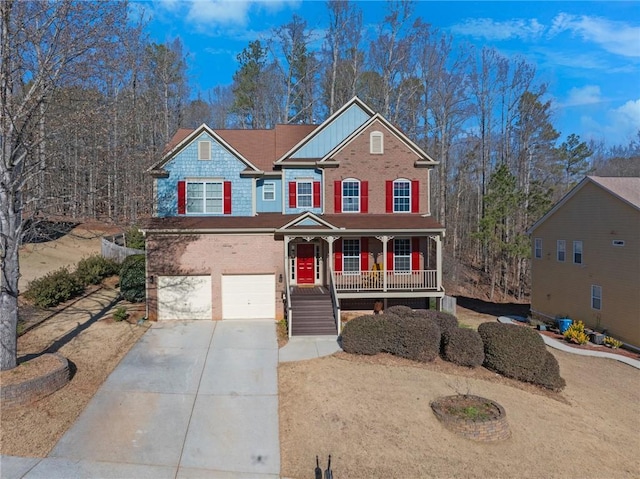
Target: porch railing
<point>334,301</point>
<point>395,280</point>
<point>289,308</point>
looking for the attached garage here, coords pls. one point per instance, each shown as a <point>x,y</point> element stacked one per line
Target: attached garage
<point>249,296</point>
<point>184,297</point>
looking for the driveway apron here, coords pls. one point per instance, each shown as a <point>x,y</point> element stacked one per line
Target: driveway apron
<point>191,399</point>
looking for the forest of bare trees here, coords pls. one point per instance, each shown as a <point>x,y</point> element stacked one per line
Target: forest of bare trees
<point>88,103</point>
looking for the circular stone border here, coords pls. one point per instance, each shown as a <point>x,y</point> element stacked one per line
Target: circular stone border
<point>494,429</point>
<point>36,388</point>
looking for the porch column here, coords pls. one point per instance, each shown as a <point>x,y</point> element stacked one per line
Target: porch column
<point>439,262</point>
<point>329,265</point>
<point>385,266</point>
<point>286,272</point>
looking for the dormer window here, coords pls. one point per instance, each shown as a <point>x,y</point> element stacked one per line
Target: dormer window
<point>376,143</point>
<point>204,150</point>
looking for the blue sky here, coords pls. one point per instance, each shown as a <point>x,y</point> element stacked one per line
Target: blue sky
<point>588,52</point>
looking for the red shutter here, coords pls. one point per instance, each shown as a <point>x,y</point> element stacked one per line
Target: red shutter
<point>292,194</point>
<point>182,197</point>
<point>227,197</point>
<point>337,255</point>
<point>389,196</point>
<point>415,253</point>
<point>337,196</point>
<point>316,194</point>
<point>364,254</point>
<point>415,196</point>
<point>390,255</point>
<point>364,197</point>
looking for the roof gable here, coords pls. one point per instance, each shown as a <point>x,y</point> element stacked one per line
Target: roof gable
<point>424,157</point>
<point>191,137</point>
<point>626,189</point>
<point>331,132</point>
<point>308,219</point>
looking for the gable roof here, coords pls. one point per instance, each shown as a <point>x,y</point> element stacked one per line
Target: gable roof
<point>626,189</point>
<point>258,149</point>
<point>325,124</point>
<point>378,117</point>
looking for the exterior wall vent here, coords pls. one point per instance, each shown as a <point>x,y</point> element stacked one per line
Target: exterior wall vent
<point>617,242</point>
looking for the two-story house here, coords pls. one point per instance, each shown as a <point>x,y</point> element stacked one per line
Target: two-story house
<point>586,257</point>
<point>297,222</point>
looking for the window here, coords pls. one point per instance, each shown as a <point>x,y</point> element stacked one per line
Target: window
<point>376,143</point>
<point>538,248</point>
<point>204,150</point>
<point>351,196</point>
<point>269,191</point>
<point>402,255</point>
<point>205,197</point>
<point>562,248</point>
<point>596,296</point>
<point>305,194</point>
<point>351,256</point>
<point>401,196</point>
<point>577,252</point>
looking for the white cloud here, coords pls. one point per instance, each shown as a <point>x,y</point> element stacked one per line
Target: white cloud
<point>615,37</point>
<point>587,95</point>
<point>490,29</point>
<point>217,14</point>
<point>619,126</point>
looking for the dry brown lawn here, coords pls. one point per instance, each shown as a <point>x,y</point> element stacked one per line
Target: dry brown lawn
<point>373,416</point>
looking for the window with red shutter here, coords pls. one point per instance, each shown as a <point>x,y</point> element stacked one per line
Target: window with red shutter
<point>415,253</point>
<point>389,196</point>
<point>364,254</point>
<point>337,255</point>
<point>337,196</point>
<point>415,196</point>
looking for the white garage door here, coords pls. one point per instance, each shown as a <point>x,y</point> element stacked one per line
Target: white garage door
<point>249,296</point>
<point>184,297</point>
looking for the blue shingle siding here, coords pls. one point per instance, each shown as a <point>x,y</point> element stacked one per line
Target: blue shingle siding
<point>334,133</point>
<point>293,174</point>
<point>223,165</point>
<point>269,206</point>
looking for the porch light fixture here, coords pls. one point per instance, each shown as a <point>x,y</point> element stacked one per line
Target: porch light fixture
<point>280,278</point>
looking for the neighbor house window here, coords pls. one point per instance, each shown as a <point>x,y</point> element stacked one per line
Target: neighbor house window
<point>305,194</point>
<point>376,143</point>
<point>351,256</point>
<point>351,196</point>
<point>204,150</point>
<point>401,196</point>
<point>537,248</point>
<point>562,248</point>
<point>577,252</point>
<point>402,255</point>
<point>205,197</point>
<point>269,191</point>
<point>596,296</point>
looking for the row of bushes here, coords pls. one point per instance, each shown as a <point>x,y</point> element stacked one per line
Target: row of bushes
<point>62,285</point>
<point>422,335</point>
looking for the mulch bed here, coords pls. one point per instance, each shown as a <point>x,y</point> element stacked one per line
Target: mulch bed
<point>591,346</point>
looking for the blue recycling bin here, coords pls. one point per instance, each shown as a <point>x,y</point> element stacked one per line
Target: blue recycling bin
<point>563,324</point>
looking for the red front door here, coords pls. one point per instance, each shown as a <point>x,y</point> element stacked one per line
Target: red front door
<point>305,264</point>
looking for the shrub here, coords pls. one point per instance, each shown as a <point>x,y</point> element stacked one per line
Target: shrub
<point>132,278</point>
<point>399,310</point>
<point>366,335</point>
<point>94,269</point>
<point>612,342</point>
<point>575,333</point>
<point>413,338</point>
<point>54,288</point>
<point>549,374</point>
<point>446,322</point>
<point>463,347</point>
<point>134,238</point>
<point>519,353</point>
<point>120,314</point>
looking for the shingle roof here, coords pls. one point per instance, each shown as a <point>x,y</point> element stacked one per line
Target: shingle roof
<point>275,221</point>
<point>627,188</point>
<point>260,147</point>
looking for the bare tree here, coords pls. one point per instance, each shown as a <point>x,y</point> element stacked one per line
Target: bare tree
<point>43,46</point>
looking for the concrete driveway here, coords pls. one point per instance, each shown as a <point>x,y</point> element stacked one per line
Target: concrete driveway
<point>191,399</point>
